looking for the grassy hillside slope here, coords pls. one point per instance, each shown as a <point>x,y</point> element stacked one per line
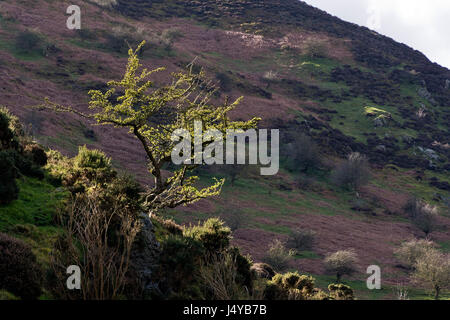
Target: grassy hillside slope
<point>301,70</point>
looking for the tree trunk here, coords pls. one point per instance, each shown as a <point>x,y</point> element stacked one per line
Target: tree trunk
<point>437,290</point>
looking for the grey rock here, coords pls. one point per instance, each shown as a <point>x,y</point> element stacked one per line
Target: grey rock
<point>381,148</point>
<point>380,122</point>
<point>425,94</point>
<point>144,255</point>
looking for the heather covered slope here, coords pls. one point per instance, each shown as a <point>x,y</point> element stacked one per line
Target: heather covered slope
<point>300,69</point>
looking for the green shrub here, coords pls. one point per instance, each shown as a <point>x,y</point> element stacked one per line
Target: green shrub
<point>179,263</point>
<point>301,240</point>
<point>90,168</point>
<point>8,173</point>
<point>26,166</point>
<point>92,159</point>
<point>28,42</point>
<point>126,192</point>
<point>213,234</point>
<point>19,272</point>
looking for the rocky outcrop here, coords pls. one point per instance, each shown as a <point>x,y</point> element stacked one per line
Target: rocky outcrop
<point>144,255</point>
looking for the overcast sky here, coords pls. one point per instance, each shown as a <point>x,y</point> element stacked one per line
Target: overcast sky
<point>423,25</point>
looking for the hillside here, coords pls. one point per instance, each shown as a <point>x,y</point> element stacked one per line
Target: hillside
<point>301,70</point>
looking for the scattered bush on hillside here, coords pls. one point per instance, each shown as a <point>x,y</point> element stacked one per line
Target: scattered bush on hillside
<point>225,82</point>
<point>315,50</point>
<point>278,257</point>
<point>20,274</point>
<point>234,219</point>
<point>422,215</point>
<point>353,173</point>
<point>433,270</point>
<point>28,42</point>
<point>301,240</point>
<point>303,154</point>
<point>168,37</point>
<point>341,263</point>
<point>410,251</point>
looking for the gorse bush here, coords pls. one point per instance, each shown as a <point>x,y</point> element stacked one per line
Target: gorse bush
<point>341,292</point>
<point>92,159</point>
<point>213,234</point>
<point>20,274</point>
<point>89,169</point>
<point>278,256</point>
<point>200,264</point>
<point>293,286</point>
<point>353,173</point>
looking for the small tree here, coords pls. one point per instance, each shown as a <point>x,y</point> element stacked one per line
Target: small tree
<point>304,154</point>
<point>341,263</point>
<point>352,173</point>
<point>422,215</point>
<point>433,270</point>
<point>141,110</point>
<point>410,251</point>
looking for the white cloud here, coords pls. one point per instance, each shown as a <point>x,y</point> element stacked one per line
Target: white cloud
<point>421,25</point>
